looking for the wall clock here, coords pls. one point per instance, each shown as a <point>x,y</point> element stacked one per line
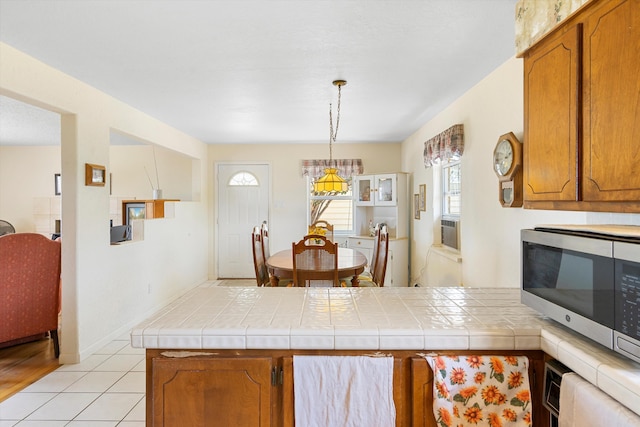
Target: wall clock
<point>507,164</point>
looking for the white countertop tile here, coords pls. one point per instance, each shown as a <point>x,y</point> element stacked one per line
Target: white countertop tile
<point>527,343</point>
<point>378,319</point>
<point>446,342</point>
<point>622,381</point>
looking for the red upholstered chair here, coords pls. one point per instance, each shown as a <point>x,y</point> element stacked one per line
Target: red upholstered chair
<point>29,288</point>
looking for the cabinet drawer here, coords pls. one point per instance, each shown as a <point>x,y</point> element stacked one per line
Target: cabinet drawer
<point>358,243</point>
<point>364,246</point>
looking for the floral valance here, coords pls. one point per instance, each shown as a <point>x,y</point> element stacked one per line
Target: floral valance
<point>346,167</point>
<point>444,147</point>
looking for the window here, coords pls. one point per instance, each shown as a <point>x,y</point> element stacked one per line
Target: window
<point>336,209</point>
<point>243,179</point>
<point>451,191</point>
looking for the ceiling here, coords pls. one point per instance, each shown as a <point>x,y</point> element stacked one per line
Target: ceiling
<point>260,71</point>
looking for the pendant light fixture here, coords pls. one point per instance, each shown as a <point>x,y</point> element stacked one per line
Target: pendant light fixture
<point>331,182</point>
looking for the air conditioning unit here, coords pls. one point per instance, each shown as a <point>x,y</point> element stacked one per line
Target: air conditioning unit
<point>450,232</point>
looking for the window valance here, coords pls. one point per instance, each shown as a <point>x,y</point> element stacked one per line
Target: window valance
<point>346,167</point>
<point>444,147</point>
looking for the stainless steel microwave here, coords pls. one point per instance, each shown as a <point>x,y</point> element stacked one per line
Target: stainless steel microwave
<point>586,279</point>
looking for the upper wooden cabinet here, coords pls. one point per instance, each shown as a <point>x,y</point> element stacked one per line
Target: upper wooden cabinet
<point>611,88</point>
<point>582,112</point>
<point>551,118</point>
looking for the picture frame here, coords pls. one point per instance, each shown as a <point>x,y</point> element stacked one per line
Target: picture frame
<point>57,184</point>
<point>95,175</point>
<point>416,206</point>
<point>133,210</point>
<point>423,197</point>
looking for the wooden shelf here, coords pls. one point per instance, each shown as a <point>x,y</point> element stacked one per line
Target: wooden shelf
<point>153,208</point>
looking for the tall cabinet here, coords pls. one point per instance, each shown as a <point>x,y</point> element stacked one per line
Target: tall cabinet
<point>384,198</point>
<point>582,114</point>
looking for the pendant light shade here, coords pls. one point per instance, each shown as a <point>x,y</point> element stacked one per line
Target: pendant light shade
<point>331,182</point>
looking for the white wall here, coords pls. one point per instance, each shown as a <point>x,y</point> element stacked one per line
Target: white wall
<point>107,289</point>
<point>289,191</point>
<point>133,171</point>
<point>490,234</point>
<point>26,174</point>
<point>27,193</point>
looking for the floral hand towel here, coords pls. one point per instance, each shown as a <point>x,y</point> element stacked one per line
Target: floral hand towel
<point>487,391</point>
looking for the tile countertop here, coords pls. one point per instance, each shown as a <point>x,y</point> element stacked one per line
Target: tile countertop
<point>212,317</point>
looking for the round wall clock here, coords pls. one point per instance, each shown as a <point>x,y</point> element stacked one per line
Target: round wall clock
<point>507,164</point>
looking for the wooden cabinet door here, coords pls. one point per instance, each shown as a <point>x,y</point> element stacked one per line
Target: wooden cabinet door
<point>211,392</point>
<point>551,111</point>
<point>421,394</point>
<point>288,404</point>
<point>611,164</point>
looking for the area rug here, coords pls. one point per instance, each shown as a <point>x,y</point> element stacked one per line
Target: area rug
<point>243,283</point>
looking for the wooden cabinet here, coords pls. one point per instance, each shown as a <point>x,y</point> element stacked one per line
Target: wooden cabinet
<point>582,112</point>
<point>422,392</point>
<point>611,112</point>
<point>211,391</point>
<point>551,125</point>
<point>255,387</point>
<point>397,272</point>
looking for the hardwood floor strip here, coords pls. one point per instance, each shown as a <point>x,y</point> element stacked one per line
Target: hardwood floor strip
<point>24,364</point>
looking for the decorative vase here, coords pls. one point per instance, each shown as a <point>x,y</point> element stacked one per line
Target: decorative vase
<point>157,194</point>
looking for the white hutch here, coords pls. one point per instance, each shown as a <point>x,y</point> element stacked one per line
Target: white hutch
<point>384,198</point>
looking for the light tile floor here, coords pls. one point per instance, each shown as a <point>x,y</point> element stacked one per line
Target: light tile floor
<point>105,390</point>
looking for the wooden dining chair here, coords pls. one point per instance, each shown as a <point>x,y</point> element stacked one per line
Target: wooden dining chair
<point>315,262</point>
<point>323,228</point>
<point>368,273</point>
<point>259,263</point>
<point>264,231</point>
<point>380,264</point>
<point>266,253</point>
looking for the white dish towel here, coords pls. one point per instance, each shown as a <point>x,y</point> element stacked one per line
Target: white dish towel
<point>343,391</point>
<point>584,405</point>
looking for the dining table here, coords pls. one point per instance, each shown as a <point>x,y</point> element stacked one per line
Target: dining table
<point>350,264</point>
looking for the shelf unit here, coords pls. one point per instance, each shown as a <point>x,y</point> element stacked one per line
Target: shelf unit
<point>384,198</point>
<point>152,208</point>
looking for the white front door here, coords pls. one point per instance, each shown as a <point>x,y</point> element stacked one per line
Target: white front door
<point>243,203</point>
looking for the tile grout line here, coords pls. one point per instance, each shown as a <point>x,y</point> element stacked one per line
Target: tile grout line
<point>25,394</point>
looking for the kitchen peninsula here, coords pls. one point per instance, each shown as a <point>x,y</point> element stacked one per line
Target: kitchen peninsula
<point>215,344</point>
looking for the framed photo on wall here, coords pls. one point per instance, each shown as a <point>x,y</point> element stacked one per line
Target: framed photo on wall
<point>95,175</point>
<point>423,197</point>
<point>416,206</point>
